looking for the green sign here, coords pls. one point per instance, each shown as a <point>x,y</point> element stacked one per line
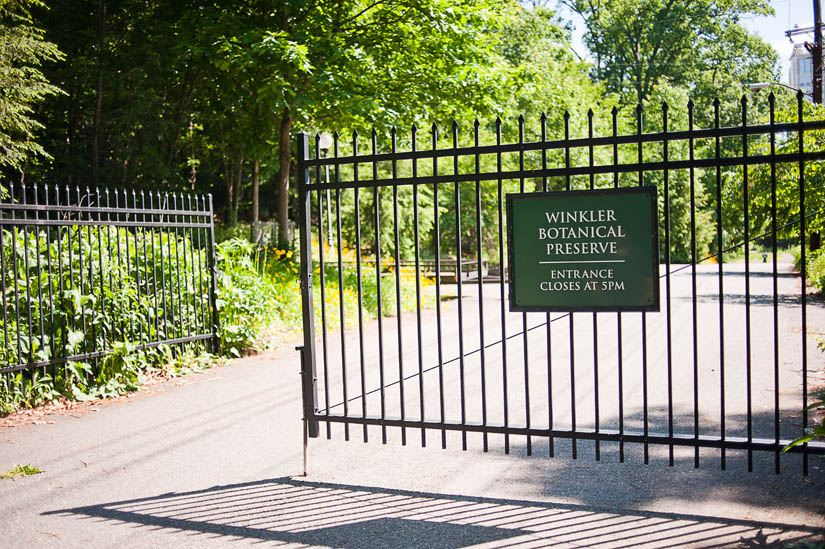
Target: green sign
<point>583,250</point>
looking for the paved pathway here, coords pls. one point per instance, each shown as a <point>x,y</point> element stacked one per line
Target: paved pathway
<point>215,460</point>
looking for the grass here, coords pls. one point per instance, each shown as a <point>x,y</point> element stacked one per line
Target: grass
<point>20,471</point>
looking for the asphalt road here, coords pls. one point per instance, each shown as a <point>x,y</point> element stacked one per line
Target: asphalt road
<point>215,459</point>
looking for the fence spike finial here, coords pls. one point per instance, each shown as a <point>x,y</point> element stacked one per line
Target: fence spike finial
<point>566,115</point>
<point>639,108</point>
<point>744,99</point>
<point>614,111</point>
<point>665,106</point>
<point>393,131</point>
<point>716,102</point>
<point>771,98</point>
<point>414,129</point>
<point>521,119</point>
<point>476,123</point>
<point>690,104</point>
<point>543,116</point>
<point>373,132</point>
<point>498,121</point>
<point>590,113</point>
<point>800,95</point>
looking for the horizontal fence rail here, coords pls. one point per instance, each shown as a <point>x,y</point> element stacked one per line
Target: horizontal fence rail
<point>85,270</point>
<point>724,369</point>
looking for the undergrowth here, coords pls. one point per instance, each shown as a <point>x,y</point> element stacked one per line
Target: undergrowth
<point>258,301</point>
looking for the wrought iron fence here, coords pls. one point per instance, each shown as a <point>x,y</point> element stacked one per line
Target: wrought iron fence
<point>82,270</point>
<point>725,366</point>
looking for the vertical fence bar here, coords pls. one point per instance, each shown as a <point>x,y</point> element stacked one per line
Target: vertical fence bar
<point>213,268</point>
<point>88,198</point>
<point>15,270</point>
<point>573,441</point>
<point>165,264</point>
<point>81,269</point>
<point>60,268</point>
<point>6,346</point>
<point>459,274</point>
<point>480,275</point>
<point>190,268</point>
<point>322,275</point>
<point>614,113</point>
<point>804,281</point>
<point>154,296</point>
<point>40,314</point>
<point>695,333</point>
<point>27,268</point>
<point>119,329</point>
<point>49,279</point>
<point>105,341</point>
<point>417,238</point>
<point>746,209</point>
<point>503,296</point>
<point>645,416</point>
<point>71,283</point>
<point>376,203</point>
<point>774,266</point>
<point>665,159</point>
<point>524,331</point>
<point>202,255</point>
<point>308,381</point>
<point>551,450</point>
<point>720,258</point>
<point>341,311</point>
<point>590,161</point>
<point>176,216</point>
<point>187,263</point>
<point>148,300</point>
<point>359,286</point>
<point>398,307</point>
<point>437,234</point>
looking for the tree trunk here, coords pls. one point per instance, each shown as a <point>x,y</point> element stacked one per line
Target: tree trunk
<point>283,178</point>
<point>233,171</point>
<point>255,186</point>
<point>238,176</point>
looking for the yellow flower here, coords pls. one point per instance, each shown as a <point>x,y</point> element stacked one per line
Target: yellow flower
<point>289,253</point>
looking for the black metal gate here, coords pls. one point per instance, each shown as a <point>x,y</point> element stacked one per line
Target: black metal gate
<point>417,239</point>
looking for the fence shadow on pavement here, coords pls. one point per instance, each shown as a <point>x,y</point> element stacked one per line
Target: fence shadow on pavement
<point>290,510</point>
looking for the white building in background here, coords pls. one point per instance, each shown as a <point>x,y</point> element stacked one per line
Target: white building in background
<point>801,73</point>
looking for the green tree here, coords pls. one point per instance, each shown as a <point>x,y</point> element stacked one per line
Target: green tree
<point>637,43</point>
<point>23,86</point>
<point>349,64</point>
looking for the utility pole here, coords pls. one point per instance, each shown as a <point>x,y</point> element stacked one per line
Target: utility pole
<point>816,58</point>
<point>816,52</point>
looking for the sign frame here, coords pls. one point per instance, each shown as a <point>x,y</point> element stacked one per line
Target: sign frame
<point>653,265</point>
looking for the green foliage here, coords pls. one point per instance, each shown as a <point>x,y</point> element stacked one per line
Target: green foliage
<point>637,44</point>
<point>818,430</point>
<point>20,471</point>
<point>131,291</point>
<point>814,267</point>
<point>787,176</point>
<point>23,86</point>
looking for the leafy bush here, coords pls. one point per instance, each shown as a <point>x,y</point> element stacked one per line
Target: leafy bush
<point>259,292</point>
<point>258,295</point>
<point>814,268</point>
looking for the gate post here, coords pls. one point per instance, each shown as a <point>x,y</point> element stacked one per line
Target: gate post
<point>308,378</point>
<point>213,273</point>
